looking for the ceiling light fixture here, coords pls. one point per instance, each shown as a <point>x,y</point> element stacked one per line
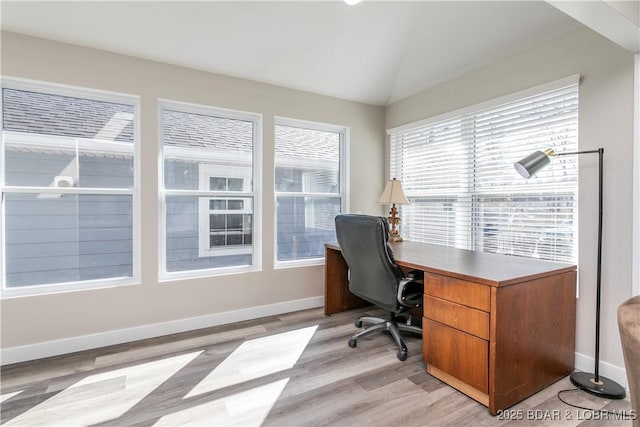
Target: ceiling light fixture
<point>352,2</point>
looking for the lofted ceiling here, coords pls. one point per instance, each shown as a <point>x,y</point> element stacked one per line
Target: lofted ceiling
<point>376,52</point>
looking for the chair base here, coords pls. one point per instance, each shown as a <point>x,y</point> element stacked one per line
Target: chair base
<point>390,325</point>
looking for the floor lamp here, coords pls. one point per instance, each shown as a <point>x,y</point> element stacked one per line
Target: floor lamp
<point>592,383</point>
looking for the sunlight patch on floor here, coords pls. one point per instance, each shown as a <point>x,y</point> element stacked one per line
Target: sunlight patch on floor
<point>257,358</point>
<point>102,397</point>
<point>247,408</point>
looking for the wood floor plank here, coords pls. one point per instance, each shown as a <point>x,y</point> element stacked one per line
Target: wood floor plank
<point>171,380</point>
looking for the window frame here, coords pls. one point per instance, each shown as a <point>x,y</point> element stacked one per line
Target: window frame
<point>89,94</point>
<point>256,193</point>
<point>344,134</point>
<point>476,193</point>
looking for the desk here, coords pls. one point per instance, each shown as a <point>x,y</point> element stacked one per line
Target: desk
<point>498,328</point>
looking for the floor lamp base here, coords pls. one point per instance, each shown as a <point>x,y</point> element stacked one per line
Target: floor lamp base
<point>605,388</point>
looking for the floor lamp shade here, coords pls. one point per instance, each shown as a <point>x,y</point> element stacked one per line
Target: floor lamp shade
<point>592,383</point>
<point>534,162</point>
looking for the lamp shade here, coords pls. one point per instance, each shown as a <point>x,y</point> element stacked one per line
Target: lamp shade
<point>534,162</point>
<point>393,194</point>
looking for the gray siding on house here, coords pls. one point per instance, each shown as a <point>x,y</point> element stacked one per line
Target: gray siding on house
<point>70,238</point>
<point>33,169</point>
<point>41,240</point>
<point>89,237</point>
<point>296,239</point>
<point>181,175</point>
<point>104,172</point>
<point>182,223</point>
<point>86,237</point>
<point>183,239</point>
<point>66,237</point>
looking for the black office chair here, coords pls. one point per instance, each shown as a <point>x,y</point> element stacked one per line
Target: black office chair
<point>375,277</point>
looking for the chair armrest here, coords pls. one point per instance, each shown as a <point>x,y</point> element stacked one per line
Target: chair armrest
<point>410,292</point>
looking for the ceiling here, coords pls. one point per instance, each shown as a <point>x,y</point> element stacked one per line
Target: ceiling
<point>376,52</point>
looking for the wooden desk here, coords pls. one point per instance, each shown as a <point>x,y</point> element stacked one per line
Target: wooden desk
<point>498,328</point>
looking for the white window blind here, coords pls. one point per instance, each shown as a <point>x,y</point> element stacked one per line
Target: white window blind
<point>458,174</point>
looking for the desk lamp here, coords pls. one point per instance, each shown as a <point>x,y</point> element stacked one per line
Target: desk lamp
<point>393,195</point>
<point>591,383</point>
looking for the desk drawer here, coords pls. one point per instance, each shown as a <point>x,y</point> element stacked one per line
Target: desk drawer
<point>456,353</point>
<point>459,291</point>
<point>469,320</point>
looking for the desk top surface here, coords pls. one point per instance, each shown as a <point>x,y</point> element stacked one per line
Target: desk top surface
<point>487,268</point>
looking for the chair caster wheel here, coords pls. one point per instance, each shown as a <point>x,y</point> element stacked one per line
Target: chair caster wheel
<point>358,323</point>
<point>353,343</point>
<point>402,356</point>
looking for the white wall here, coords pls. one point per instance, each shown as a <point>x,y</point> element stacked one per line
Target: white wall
<point>41,325</point>
<point>606,120</point>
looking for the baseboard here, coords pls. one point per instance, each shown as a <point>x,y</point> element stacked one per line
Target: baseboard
<point>587,363</point>
<point>86,342</point>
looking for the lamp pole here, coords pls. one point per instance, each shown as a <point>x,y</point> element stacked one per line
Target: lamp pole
<point>594,383</point>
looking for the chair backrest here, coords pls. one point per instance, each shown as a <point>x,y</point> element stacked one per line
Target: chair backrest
<point>373,275</point>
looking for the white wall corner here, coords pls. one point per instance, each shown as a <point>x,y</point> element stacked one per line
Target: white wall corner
<point>618,24</point>
<point>635,255</point>
<point>86,342</point>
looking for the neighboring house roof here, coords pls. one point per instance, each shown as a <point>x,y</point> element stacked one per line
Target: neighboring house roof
<point>48,114</point>
<point>42,113</point>
<point>192,130</point>
<point>307,143</point>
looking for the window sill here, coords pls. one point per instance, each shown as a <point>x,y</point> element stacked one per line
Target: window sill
<point>204,273</point>
<point>279,265</point>
<point>58,288</point>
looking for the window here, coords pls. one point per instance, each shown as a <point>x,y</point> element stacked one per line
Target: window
<point>309,182</point>
<point>225,223</point>
<point>69,187</point>
<point>457,172</point>
<point>209,192</point>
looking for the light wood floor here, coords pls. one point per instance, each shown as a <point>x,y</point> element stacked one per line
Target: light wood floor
<point>289,370</point>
